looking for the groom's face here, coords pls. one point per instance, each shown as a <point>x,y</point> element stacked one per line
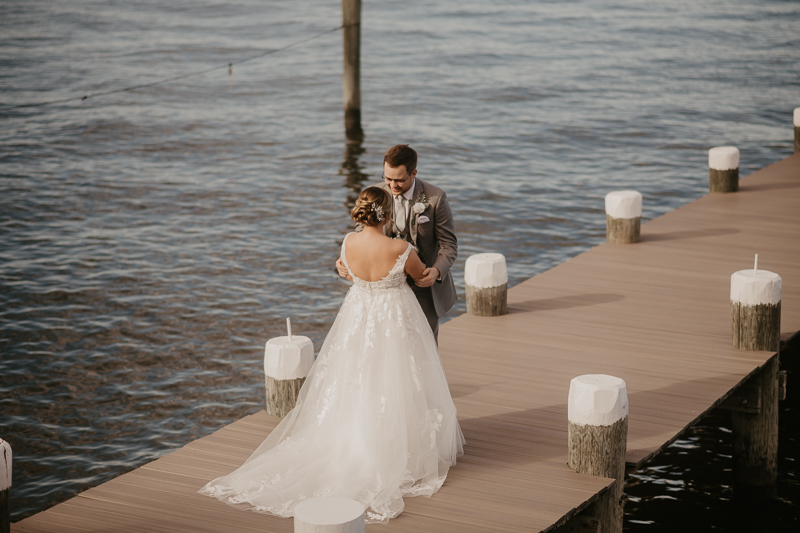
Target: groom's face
<point>398,179</point>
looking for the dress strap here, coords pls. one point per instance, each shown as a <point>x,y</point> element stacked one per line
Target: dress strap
<point>401,261</point>
<point>344,257</point>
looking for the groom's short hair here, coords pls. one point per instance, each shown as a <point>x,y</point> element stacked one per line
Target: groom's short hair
<point>401,154</point>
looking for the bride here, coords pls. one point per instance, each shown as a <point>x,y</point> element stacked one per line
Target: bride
<point>374,420</point>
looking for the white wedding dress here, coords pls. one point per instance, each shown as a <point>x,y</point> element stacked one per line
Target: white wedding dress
<point>374,420</point>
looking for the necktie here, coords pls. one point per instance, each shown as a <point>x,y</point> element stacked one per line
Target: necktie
<point>399,212</point>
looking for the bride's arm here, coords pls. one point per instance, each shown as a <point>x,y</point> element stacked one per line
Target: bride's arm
<point>342,269</point>
<point>414,265</point>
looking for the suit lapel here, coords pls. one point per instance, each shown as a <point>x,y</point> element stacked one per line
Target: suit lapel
<point>389,229</point>
<point>412,218</point>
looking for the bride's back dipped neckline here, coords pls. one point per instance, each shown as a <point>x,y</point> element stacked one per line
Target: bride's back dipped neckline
<point>399,261</point>
<point>374,420</point>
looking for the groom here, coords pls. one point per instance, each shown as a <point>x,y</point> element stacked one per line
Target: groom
<point>421,215</point>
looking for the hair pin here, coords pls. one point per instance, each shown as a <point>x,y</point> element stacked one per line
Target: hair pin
<point>379,210</point>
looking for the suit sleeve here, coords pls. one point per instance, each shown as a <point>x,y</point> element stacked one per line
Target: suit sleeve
<point>446,236</point>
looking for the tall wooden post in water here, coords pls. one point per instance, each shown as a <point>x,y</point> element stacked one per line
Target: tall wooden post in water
<point>597,437</point>
<point>756,325</point>
<point>351,76</point>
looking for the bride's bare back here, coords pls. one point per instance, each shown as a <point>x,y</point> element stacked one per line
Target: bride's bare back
<point>371,255</point>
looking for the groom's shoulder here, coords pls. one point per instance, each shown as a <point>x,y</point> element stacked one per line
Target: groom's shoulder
<point>430,189</point>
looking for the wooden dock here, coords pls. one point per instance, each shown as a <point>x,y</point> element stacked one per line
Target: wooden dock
<point>656,314</point>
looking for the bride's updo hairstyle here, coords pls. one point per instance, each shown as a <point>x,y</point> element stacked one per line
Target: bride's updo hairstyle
<point>372,207</point>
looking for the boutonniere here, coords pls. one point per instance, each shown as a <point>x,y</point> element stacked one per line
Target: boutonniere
<point>419,204</point>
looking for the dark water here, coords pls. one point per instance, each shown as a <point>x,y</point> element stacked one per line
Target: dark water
<point>152,240</point>
<point>689,487</point>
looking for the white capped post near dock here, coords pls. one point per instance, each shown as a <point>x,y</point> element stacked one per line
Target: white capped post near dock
<point>756,309</point>
<point>756,326</point>
<point>333,514</point>
<point>623,217</point>
<point>486,284</point>
<point>287,361</point>
<point>723,169</point>
<point>5,486</point>
<point>598,431</point>
<point>796,122</point>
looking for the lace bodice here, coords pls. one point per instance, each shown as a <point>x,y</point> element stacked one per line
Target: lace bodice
<point>395,278</point>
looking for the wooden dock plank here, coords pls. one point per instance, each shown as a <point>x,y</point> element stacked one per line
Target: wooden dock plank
<point>656,314</point>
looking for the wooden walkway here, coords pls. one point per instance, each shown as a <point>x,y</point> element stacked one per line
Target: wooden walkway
<point>656,314</point>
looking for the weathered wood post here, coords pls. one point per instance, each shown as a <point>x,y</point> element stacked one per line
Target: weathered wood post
<point>486,284</point>
<point>756,309</point>
<point>5,486</point>
<point>287,361</point>
<point>351,75</point>
<point>598,432</point>
<point>333,514</point>
<point>723,169</point>
<point>796,122</point>
<point>755,324</point>
<point>623,217</point>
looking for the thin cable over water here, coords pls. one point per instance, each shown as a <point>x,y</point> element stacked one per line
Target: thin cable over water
<point>175,78</point>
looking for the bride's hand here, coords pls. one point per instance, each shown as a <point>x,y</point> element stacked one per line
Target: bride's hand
<point>342,269</point>
<point>429,277</point>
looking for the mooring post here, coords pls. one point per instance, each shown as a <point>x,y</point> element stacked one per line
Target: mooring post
<point>756,326</point>
<point>351,75</point>
<point>287,361</point>
<point>598,432</point>
<point>486,284</point>
<point>5,486</point>
<point>332,514</point>
<point>756,309</point>
<point>623,217</point>
<point>796,122</point>
<point>723,169</point>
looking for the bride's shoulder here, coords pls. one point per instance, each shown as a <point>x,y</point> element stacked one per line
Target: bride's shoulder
<point>353,236</point>
<point>397,246</point>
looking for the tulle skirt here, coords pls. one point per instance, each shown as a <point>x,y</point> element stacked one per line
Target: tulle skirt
<point>374,420</point>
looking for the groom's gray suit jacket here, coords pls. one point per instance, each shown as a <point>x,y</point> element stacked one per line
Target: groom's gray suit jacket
<point>435,240</point>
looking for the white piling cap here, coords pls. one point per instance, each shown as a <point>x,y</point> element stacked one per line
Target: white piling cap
<point>485,270</point>
<point>723,158</point>
<point>624,204</point>
<point>753,288</point>
<point>597,400</point>
<point>329,511</point>
<point>288,359</point>
<point>5,465</point>
<point>796,120</point>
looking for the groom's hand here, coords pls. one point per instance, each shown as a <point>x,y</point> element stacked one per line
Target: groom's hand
<point>429,277</point>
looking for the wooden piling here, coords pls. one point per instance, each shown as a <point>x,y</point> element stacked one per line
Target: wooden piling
<point>796,122</point>
<point>333,514</point>
<point>755,437</point>
<point>723,169</point>
<point>756,310</point>
<point>287,361</point>
<point>486,284</point>
<point>5,486</point>
<point>597,440</point>
<point>756,326</point>
<point>351,75</point>
<point>623,217</point>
